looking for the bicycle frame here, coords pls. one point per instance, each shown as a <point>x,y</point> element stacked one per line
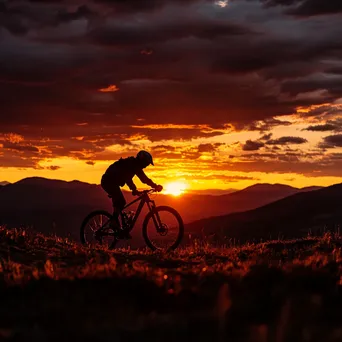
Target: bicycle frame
<point>144,198</point>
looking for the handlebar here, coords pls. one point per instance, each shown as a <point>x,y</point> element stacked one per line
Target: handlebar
<point>145,192</point>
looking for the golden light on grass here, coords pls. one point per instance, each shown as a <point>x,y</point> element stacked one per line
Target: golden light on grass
<point>175,188</point>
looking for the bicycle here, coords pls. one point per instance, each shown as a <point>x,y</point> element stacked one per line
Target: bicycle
<point>100,223</point>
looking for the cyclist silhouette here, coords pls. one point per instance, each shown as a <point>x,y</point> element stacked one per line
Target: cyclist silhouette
<point>122,172</point>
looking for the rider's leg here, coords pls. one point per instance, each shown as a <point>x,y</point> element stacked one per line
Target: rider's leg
<point>119,203</point>
<point>118,200</point>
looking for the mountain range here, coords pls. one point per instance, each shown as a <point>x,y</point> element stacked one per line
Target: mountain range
<point>58,207</point>
<point>303,213</point>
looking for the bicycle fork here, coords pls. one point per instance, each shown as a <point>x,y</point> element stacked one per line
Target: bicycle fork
<point>155,215</point>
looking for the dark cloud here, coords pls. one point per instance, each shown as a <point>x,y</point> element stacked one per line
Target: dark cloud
<point>323,111</point>
<point>266,125</point>
<point>332,141</point>
<point>118,35</point>
<point>209,147</point>
<point>178,79</point>
<point>81,12</point>
<point>53,167</point>
<point>306,8</point>
<point>332,125</point>
<point>280,2</point>
<point>163,148</point>
<point>176,134</point>
<point>138,6</point>
<point>334,70</point>
<point>19,147</point>
<point>316,7</point>
<point>20,17</point>
<point>287,140</point>
<point>308,164</point>
<point>240,61</point>
<point>252,145</point>
<point>333,86</point>
<point>321,128</point>
<point>266,137</point>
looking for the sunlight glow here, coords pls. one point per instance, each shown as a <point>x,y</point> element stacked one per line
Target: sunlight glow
<point>175,188</point>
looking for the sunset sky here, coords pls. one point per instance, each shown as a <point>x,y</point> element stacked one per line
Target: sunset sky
<point>224,94</point>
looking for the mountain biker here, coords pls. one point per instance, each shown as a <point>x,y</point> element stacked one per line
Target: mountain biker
<point>122,172</point>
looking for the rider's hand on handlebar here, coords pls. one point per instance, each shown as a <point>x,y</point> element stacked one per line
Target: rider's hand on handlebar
<point>136,193</point>
<point>158,188</point>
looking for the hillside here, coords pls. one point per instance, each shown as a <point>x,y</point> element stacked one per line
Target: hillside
<point>55,290</point>
<point>3,183</point>
<point>59,206</point>
<point>292,216</point>
<point>251,197</point>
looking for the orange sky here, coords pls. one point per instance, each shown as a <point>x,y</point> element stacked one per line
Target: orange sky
<point>217,162</point>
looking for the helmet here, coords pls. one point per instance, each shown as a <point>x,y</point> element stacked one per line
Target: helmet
<point>145,157</point>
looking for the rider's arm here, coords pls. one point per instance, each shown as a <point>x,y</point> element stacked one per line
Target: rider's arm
<point>142,176</point>
<point>131,185</point>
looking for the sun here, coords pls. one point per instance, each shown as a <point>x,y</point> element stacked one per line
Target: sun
<point>175,188</point>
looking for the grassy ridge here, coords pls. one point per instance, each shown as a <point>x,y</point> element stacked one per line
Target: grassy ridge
<point>54,289</point>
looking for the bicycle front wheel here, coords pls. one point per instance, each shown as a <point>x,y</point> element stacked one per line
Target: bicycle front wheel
<point>163,229</point>
<point>95,230</point>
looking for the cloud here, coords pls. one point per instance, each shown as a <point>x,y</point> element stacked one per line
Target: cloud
<point>287,140</point>
<point>266,125</point>
<point>331,125</point>
<point>321,128</point>
<point>307,8</point>
<point>175,134</point>
<point>324,111</point>
<point>16,142</point>
<point>332,141</point>
<point>209,147</point>
<point>19,147</point>
<point>252,145</point>
<point>53,167</point>
<point>20,19</point>
<point>137,6</point>
<point>304,163</point>
<point>163,148</point>
<point>115,34</point>
<point>266,137</point>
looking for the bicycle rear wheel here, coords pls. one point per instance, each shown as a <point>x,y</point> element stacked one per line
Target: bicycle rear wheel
<point>163,229</point>
<point>95,230</point>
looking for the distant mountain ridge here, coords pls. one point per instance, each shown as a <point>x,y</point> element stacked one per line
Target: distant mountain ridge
<point>3,183</point>
<point>59,207</point>
<point>274,188</point>
<point>292,216</point>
